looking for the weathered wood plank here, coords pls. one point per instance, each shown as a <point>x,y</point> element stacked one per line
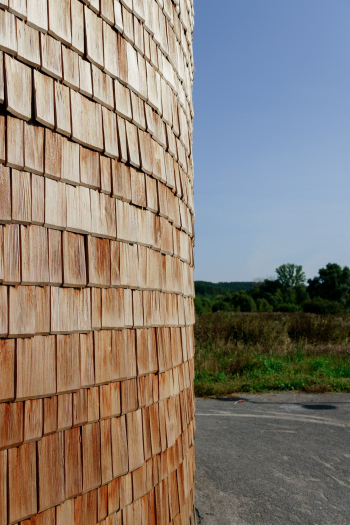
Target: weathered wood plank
<point>18,88</point>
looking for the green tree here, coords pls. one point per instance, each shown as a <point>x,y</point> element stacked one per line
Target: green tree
<point>263,306</point>
<point>332,284</point>
<point>243,302</point>
<point>323,306</point>
<point>198,306</point>
<point>290,275</point>
<point>221,306</point>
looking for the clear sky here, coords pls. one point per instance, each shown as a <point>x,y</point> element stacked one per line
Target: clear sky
<point>271,136</point>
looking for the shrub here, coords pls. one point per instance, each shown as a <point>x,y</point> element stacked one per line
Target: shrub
<point>221,306</point>
<point>263,306</point>
<point>322,306</point>
<point>289,308</point>
<point>317,330</point>
<point>198,306</point>
<point>243,302</point>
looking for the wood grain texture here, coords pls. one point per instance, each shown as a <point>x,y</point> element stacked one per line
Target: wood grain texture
<point>22,469</point>
<point>5,195</point>
<point>96,262</point>
<point>51,56</point>
<point>44,99</point>
<point>51,470</point>
<point>15,143</point>
<point>28,44</point>
<point>60,20</point>
<point>19,101</point>
<point>36,367</point>
<point>37,15</point>
<point>8,40</point>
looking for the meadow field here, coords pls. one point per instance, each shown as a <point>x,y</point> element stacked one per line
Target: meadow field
<point>264,352</point>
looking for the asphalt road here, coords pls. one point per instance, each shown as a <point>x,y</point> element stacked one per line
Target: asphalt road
<point>273,460</point>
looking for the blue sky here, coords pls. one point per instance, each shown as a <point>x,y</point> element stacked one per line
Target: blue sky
<point>271,136</point>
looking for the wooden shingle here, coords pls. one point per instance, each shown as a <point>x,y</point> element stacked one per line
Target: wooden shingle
<point>65,513</point>
<point>110,45</point>
<point>22,483</point>
<point>11,425</point>
<point>96,306</point>
<point>85,78</point>
<point>55,257</point>
<point>110,400</point>
<point>51,470</point>
<point>2,125</point>
<point>123,347</point>
<point>122,101</point>
<point>64,412</point>
<point>33,420</point>
<point>37,15</point>
<point>34,248</point>
<point>62,109</point>
<point>55,204</point>
<point>53,155</point>
<point>91,456</point>
<point>86,360</point>
<point>94,38</point>
<point>38,199</point>
<point>121,181</point>
<point>34,149</point>
<point>119,446</point>
<point>21,197</point>
<point>60,20</point>
<point>102,88</point>
<point>21,311</point>
<point>15,143</point>
<point>132,141</point>
<point>99,262</point>
<point>68,363</point>
<point>11,254</point>
<point>8,37</point>
<point>28,44</point>
<point>138,188</point>
<point>74,260</point>
<point>51,56</point>
<point>125,484</point>
<point>50,415</point>
<point>70,162</point>
<point>89,168</point>
<point>36,367</point>
<point>80,407</point>
<point>135,439</point>
<point>106,451</point>
<point>86,121</point>
<point>19,101</point>
<point>106,175</point>
<point>93,405</point>
<point>77,15</point>
<point>111,146</point>
<point>5,195</point>
<point>129,395</point>
<point>123,151</point>
<point>7,364</point>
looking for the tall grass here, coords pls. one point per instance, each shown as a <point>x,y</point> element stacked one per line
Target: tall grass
<point>267,352</point>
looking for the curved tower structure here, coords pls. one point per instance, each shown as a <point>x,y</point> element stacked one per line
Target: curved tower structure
<point>96,262</point>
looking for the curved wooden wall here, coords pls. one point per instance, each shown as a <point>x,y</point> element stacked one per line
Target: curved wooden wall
<point>96,262</point>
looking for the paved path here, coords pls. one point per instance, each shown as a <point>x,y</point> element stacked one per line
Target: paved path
<point>275,459</point>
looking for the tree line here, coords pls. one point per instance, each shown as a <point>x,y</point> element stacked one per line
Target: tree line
<point>327,293</point>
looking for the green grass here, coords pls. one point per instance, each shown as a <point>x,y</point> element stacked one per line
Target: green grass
<point>227,364</point>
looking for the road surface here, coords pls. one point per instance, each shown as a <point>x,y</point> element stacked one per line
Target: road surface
<point>273,459</point>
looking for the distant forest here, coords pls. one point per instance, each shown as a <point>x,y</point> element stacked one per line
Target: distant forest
<point>213,289</point>
<point>327,293</point>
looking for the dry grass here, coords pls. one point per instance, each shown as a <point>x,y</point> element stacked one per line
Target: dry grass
<point>269,352</point>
